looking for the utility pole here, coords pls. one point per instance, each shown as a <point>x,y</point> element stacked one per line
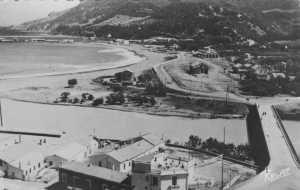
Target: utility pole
<point>227,94</point>
<point>1,119</point>
<point>222,167</point>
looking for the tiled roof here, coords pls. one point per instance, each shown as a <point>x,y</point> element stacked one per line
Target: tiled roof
<point>131,151</point>
<point>95,171</point>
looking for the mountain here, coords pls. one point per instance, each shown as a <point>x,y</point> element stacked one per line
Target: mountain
<point>224,19</point>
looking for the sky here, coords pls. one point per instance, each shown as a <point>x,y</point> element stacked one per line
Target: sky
<point>14,12</point>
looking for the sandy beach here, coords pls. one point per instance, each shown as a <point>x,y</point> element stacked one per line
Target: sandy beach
<point>127,58</point>
<point>46,87</point>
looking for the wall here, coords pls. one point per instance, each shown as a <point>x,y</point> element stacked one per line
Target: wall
<point>11,171</point>
<point>140,181</point>
<point>106,161</point>
<point>84,182</point>
<point>166,182</point>
<point>56,161</point>
<point>256,138</point>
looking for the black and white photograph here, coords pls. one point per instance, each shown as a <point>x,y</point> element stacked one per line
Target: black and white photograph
<point>149,94</point>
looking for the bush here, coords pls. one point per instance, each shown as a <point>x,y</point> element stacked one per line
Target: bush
<point>72,82</point>
<point>65,95</point>
<point>98,101</point>
<point>90,97</point>
<point>115,99</point>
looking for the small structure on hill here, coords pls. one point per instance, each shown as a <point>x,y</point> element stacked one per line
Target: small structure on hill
<point>198,68</point>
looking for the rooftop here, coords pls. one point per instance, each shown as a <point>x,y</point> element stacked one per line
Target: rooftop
<point>69,151</point>
<point>15,153</point>
<point>131,151</point>
<point>146,159</point>
<point>98,172</point>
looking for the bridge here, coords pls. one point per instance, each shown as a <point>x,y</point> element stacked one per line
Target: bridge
<point>273,149</point>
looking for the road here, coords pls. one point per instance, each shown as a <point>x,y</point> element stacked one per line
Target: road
<point>170,84</point>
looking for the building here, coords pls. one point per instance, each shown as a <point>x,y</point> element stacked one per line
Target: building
<point>207,52</point>
<point>198,67</point>
<point>74,175</point>
<point>22,160</point>
<point>121,159</point>
<point>63,153</point>
<point>146,175</point>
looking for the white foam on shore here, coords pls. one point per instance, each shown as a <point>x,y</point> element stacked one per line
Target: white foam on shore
<point>129,58</point>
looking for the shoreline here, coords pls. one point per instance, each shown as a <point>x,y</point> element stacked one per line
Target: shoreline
<point>130,57</point>
<point>123,109</point>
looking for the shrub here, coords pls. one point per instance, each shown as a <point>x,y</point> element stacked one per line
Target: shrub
<point>115,98</point>
<point>98,101</point>
<point>72,82</point>
<point>65,95</point>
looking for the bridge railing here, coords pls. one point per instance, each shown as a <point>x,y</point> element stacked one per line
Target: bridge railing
<point>286,136</point>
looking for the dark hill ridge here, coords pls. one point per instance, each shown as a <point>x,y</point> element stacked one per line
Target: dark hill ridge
<point>231,19</point>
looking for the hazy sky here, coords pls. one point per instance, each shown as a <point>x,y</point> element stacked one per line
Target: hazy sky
<point>14,12</point>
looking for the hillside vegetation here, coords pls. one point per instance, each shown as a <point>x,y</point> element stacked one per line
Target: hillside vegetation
<point>218,20</point>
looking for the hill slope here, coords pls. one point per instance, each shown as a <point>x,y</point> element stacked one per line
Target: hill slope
<point>228,18</point>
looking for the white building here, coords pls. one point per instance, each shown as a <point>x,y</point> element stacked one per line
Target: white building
<point>68,152</point>
<point>121,159</point>
<point>146,175</point>
<point>22,160</point>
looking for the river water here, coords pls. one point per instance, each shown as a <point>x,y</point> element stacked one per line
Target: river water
<point>82,121</point>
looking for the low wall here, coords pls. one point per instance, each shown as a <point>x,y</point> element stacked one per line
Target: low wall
<point>256,138</point>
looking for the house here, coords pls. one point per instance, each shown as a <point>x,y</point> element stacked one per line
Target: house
<point>146,175</point>
<point>198,67</point>
<point>22,160</point>
<point>121,159</point>
<point>74,175</point>
<point>63,153</point>
<point>207,52</point>
<point>124,76</point>
<point>278,75</point>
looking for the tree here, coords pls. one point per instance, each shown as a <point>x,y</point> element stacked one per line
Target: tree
<point>115,98</point>
<point>98,101</point>
<point>65,95</point>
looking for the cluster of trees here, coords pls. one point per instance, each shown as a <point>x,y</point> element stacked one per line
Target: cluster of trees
<point>279,85</point>
<point>240,152</point>
<point>152,83</point>
<point>116,98</point>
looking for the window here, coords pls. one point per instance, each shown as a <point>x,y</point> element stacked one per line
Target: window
<point>128,163</point>
<point>1,163</point>
<point>76,181</point>
<point>174,180</point>
<point>64,178</point>
<point>39,165</point>
<point>50,163</point>
<point>124,166</point>
<point>154,181</point>
<point>105,187</point>
<point>100,163</point>
<point>89,184</point>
